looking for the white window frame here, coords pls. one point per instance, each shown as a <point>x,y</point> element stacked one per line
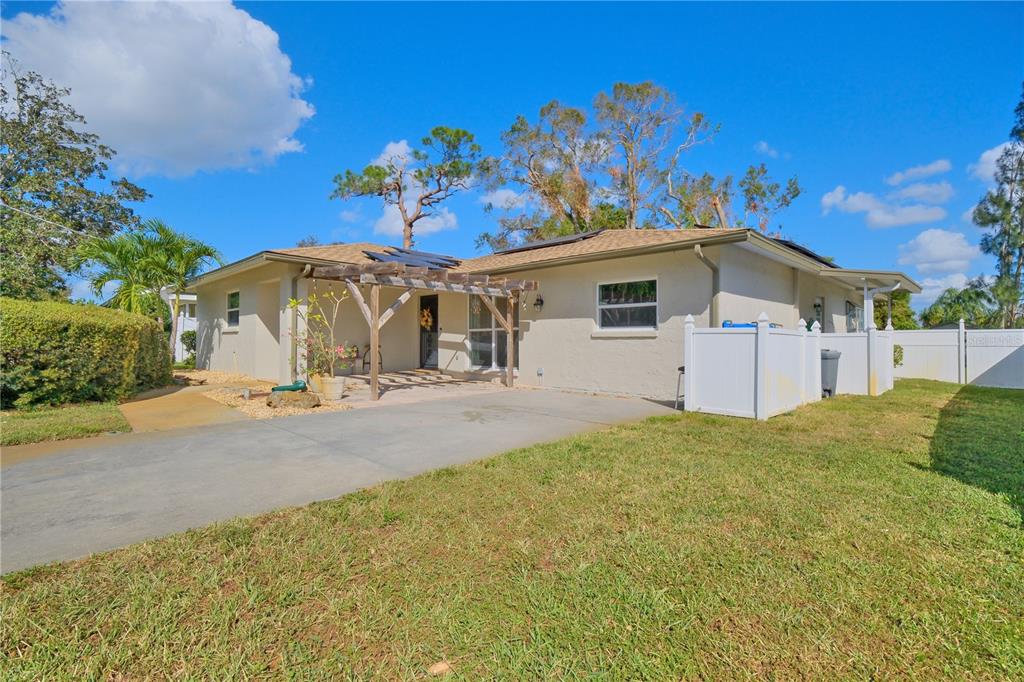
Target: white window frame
<point>494,329</point>
<point>599,307</point>
<point>227,314</point>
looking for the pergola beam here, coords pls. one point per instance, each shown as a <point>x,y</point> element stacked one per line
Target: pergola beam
<point>393,308</point>
<point>357,296</point>
<point>408,276</point>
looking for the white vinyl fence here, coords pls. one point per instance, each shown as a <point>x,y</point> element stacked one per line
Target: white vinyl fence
<point>761,372</point>
<point>984,357</point>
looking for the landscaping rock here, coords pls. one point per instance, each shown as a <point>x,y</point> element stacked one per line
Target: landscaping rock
<point>302,399</point>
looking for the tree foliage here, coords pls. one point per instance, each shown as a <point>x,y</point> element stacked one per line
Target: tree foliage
<point>1001,213</point>
<point>416,184</point>
<point>51,169</point>
<point>903,316</point>
<point>974,304</point>
<point>140,263</point>
<point>571,167</point>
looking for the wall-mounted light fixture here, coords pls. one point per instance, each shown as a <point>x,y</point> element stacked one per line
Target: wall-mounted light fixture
<point>538,303</point>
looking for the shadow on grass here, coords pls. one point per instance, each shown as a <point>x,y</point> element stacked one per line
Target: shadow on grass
<point>979,440</point>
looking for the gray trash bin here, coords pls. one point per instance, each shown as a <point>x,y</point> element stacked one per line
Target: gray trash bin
<point>829,371</point>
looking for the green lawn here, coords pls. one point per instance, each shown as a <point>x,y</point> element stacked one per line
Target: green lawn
<point>60,423</point>
<point>857,537</point>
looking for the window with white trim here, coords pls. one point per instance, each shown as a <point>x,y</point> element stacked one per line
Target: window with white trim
<point>488,341</point>
<point>234,301</point>
<point>628,305</point>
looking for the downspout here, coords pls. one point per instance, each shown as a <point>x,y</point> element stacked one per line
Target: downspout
<point>295,322</point>
<point>713,308</point>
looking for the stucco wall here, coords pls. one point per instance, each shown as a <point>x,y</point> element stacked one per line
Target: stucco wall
<point>252,347</point>
<point>260,346</point>
<point>751,284</point>
<point>563,347</point>
<point>835,297</point>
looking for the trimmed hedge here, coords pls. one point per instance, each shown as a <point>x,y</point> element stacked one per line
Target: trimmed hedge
<point>53,353</point>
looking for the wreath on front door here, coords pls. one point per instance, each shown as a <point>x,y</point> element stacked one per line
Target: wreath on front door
<point>426,319</point>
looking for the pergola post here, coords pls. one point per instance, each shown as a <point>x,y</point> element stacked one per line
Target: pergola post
<point>374,341</point>
<point>510,346</point>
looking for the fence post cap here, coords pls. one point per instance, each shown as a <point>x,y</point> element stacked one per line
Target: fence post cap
<point>802,323</point>
<point>688,319</point>
<point>888,326</point>
<point>762,318</point>
<point>816,327</point>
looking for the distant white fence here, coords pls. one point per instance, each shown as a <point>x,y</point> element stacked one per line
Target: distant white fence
<point>985,357</point>
<point>761,372</point>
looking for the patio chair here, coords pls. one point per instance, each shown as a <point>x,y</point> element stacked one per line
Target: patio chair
<point>366,358</point>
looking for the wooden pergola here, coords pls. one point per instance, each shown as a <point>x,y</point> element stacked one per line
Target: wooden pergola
<point>413,278</point>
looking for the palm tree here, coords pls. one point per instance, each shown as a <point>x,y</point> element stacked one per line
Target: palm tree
<point>179,258</point>
<point>129,260</point>
<point>973,304</point>
<point>144,262</point>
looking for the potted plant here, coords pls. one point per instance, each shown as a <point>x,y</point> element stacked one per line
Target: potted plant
<point>324,354</point>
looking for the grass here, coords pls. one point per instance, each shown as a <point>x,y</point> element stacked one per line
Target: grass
<point>856,537</point>
<point>60,423</point>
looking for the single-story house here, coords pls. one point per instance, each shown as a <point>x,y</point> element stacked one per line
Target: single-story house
<point>606,315</point>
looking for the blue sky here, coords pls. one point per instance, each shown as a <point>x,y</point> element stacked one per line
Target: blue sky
<point>238,136</point>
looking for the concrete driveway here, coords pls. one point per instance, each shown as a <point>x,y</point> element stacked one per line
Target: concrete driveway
<point>115,491</point>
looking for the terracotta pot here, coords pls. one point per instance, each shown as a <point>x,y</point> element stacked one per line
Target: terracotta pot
<point>328,388</point>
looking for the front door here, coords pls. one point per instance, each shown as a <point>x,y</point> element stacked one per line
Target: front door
<point>428,331</point>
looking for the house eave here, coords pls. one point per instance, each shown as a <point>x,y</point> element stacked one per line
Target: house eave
<point>617,253</point>
<point>254,261</point>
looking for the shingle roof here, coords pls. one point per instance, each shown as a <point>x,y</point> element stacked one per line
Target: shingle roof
<point>607,242</point>
<point>343,253</point>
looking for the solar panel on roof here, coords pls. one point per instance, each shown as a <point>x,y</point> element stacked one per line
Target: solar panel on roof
<point>555,241</point>
<point>419,259</point>
<point>427,255</point>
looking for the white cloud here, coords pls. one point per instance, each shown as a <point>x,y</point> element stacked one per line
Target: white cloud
<point>968,215</point>
<point>766,149</point>
<point>929,193</point>
<point>877,212</point>
<point>399,151</point>
<point>917,172</point>
<point>932,287</point>
<point>390,222</point>
<point>350,216</point>
<point>938,251</point>
<point>984,168</point>
<point>504,198</point>
<point>174,88</point>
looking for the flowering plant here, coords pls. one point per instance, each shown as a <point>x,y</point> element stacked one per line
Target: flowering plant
<point>324,355</point>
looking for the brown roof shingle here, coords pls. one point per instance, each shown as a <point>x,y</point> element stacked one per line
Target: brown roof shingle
<point>342,253</point>
<point>608,242</point>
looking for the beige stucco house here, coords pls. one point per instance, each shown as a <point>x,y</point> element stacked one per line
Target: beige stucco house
<point>607,314</point>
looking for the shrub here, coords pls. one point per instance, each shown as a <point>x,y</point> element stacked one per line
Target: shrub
<point>53,353</point>
<point>897,355</point>
<point>188,340</point>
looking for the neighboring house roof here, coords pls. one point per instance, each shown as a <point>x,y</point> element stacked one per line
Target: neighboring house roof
<point>601,243</point>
